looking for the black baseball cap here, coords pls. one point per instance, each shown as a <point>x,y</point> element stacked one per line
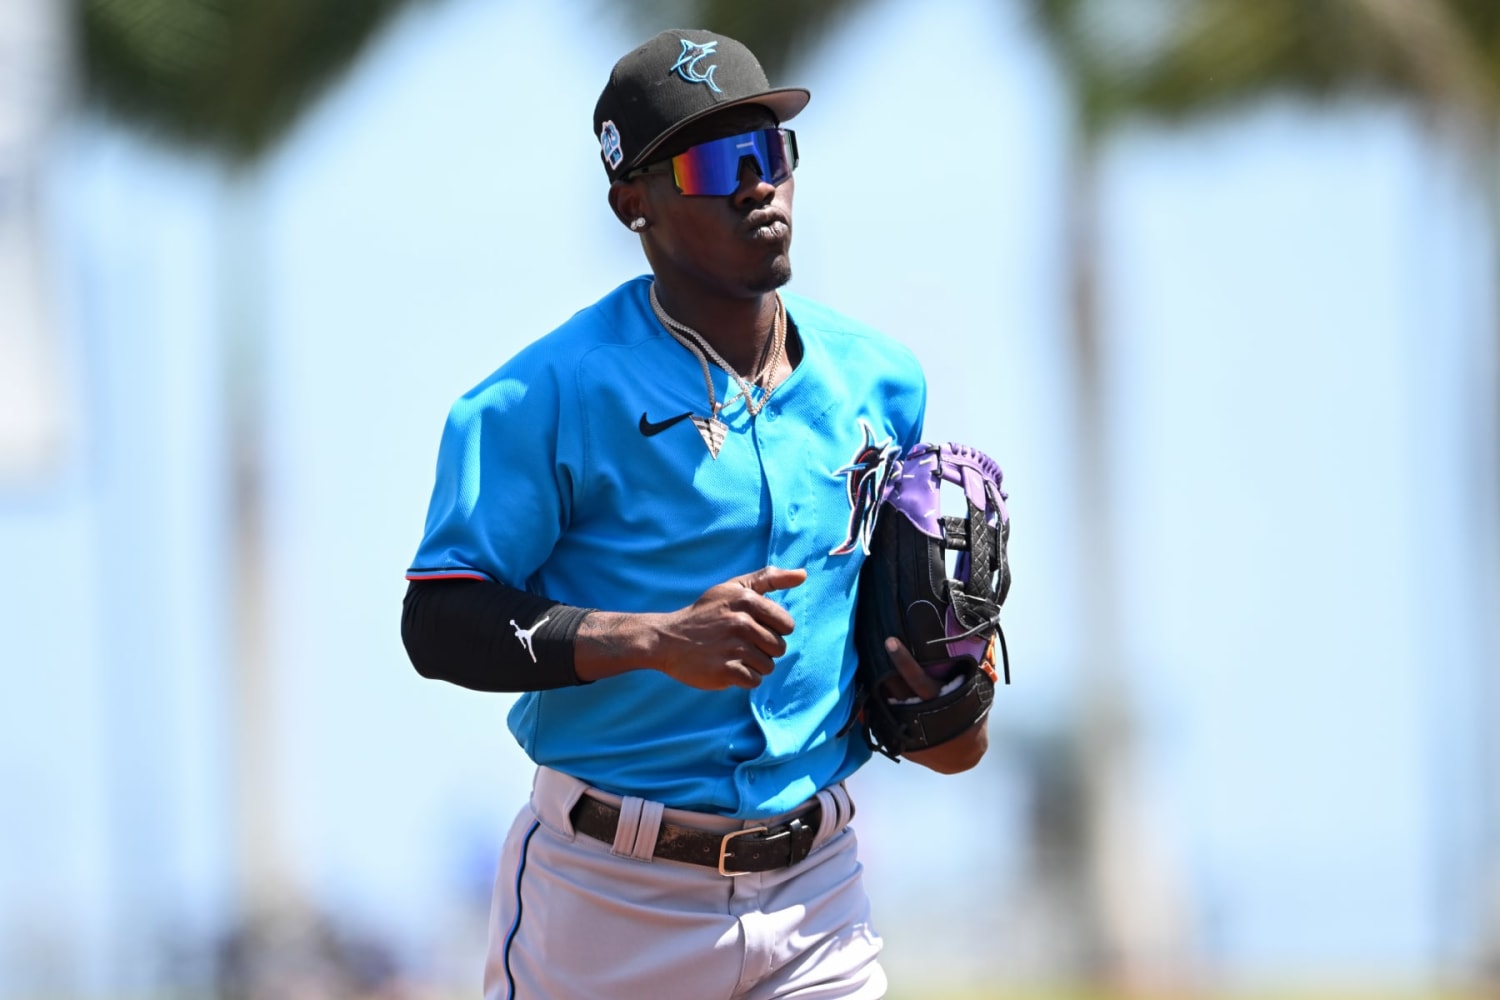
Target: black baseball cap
<point>675,79</point>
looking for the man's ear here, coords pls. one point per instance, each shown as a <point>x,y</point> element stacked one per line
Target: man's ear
<point>627,200</point>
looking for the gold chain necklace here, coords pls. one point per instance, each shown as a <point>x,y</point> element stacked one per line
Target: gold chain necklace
<point>765,374</point>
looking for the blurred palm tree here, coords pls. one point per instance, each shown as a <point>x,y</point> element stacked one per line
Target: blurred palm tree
<point>1181,61</point>
<point>227,76</point>
<point>228,79</point>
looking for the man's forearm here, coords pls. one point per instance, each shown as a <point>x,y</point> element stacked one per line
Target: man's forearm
<point>488,636</point>
<point>610,643</point>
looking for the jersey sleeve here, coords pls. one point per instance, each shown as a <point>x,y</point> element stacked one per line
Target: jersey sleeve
<point>505,477</point>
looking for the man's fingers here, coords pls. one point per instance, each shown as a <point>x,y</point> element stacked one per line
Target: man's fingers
<point>758,662</point>
<point>911,671</point>
<point>773,578</point>
<point>762,609</point>
<point>747,671</point>
<point>768,638</point>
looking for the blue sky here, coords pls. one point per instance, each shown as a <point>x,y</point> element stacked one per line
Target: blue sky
<point>1293,323</point>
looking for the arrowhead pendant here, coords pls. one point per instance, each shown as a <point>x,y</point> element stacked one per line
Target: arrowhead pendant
<point>712,430</point>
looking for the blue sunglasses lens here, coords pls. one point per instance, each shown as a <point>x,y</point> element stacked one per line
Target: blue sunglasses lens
<point>713,167</point>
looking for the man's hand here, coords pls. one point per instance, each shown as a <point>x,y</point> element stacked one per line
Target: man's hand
<point>728,637</point>
<point>731,636</point>
<point>958,754</point>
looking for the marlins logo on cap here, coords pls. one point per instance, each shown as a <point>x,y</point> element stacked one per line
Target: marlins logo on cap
<point>686,65</point>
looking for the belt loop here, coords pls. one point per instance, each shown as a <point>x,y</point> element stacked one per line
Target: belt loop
<point>846,805</point>
<point>635,837</point>
<point>831,821</point>
<point>647,831</point>
<point>553,796</point>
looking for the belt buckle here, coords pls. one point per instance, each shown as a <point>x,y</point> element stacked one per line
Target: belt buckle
<point>724,848</point>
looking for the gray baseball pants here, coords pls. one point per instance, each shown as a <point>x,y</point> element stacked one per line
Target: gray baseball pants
<point>574,917</point>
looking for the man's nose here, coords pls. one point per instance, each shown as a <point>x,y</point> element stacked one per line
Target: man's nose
<point>754,190</point>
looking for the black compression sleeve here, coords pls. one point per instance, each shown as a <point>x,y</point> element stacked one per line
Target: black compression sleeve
<point>488,636</point>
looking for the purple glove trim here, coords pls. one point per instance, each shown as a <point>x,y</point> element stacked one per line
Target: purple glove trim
<point>915,486</point>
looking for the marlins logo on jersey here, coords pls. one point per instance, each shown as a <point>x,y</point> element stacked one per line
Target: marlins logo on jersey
<point>867,474</point>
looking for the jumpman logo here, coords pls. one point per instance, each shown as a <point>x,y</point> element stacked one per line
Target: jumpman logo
<point>525,634</point>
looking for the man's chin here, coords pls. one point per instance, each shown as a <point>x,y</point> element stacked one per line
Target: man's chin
<point>773,277</point>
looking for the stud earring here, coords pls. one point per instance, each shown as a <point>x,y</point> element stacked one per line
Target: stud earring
<point>637,224</point>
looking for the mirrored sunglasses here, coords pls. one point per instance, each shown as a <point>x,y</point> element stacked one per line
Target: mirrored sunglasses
<point>713,167</point>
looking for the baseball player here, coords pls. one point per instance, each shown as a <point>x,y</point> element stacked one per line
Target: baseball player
<point>651,521</point>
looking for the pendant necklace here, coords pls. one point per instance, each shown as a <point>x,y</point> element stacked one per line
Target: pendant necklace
<point>712,429</point>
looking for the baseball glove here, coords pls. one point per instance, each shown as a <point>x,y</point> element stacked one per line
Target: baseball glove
<point>949,621</point>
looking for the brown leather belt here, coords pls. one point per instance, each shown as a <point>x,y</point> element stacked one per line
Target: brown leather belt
<point>738,852</point>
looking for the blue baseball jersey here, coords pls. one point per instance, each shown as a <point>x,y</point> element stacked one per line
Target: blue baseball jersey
<point>581,470</point>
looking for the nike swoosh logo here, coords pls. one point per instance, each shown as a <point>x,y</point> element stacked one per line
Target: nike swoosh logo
<point>651,430</point>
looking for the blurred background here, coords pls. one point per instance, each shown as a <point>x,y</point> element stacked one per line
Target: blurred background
<point>1214,280</point>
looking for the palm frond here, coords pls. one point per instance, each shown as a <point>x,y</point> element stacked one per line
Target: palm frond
<point>230,75</point>
<point>1186,58</point>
